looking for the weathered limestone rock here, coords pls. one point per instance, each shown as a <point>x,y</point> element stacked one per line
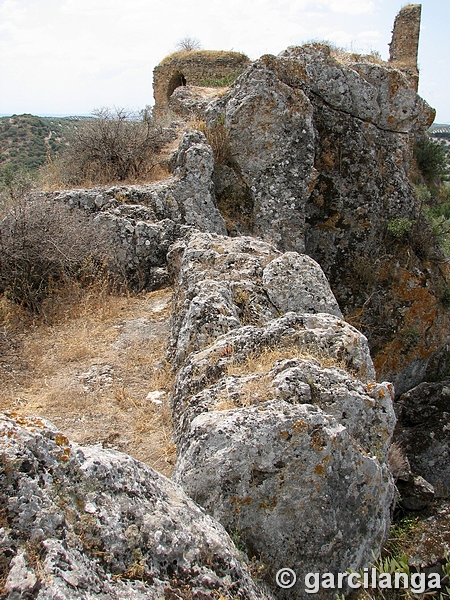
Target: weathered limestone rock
<point>296,282</point>
<point>322,144</point>
<point>323,338</point>
<point>271,134</point>
<point>223,283</point>
<point>423,431</point>
<point>281,431</point>
<point>415,493</point>
<point>81,522</point>
<point>186,198</point>
<point>191,101</point>
<point>293,483</point>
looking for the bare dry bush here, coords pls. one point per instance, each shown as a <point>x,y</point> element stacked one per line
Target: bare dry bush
<point>219,140</point>
<point>116,145</point>
<point>43,246</point>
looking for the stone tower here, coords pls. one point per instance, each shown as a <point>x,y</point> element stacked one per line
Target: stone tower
<point>198,68</point>
<point>405,41</point>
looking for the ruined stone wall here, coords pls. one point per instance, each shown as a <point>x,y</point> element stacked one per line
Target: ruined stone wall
<point>404,46</point>
<point>193,68</point>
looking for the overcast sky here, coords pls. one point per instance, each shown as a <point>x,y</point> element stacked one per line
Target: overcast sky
<point>61,57</point>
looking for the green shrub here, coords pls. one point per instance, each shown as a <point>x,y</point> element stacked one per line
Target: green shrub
<point>400,227</point>
<point>431,159</point>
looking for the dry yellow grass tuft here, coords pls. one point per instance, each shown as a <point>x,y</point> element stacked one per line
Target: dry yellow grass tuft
<point>257,388</point>
<point>263,362</point>
<point>96,368</point>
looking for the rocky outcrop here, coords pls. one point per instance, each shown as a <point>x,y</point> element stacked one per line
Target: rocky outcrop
<point>191,101</point>
<point>321,145</point>
<point>143,221</point>
<point>81,522</point>
<point>423,431</point>
<point>282,433</point>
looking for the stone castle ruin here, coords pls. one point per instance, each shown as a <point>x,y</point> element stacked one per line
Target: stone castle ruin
<point>204,68</point>
<point>404,46</point>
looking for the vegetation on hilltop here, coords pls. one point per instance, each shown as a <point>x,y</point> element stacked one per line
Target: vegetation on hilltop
<point>433,188</point>
<point>26,141</point>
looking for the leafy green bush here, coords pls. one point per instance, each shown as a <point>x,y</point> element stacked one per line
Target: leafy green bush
<point>400,227</point>
<point>431,159</point>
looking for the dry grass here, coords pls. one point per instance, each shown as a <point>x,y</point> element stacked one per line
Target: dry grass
<point>347,57</point>
<point>258,388</point>
<point>53,175</point>
<point>204,55</point>
<point>88,365</point>
<point>398,461</point>
<point>263,362</point>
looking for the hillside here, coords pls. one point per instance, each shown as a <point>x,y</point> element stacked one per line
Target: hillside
<point>27,140</point>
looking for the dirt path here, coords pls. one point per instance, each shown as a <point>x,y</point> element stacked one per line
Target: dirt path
<point>100,376</point>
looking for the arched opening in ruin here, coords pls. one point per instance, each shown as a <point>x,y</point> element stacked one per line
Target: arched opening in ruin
<point>176,80</point>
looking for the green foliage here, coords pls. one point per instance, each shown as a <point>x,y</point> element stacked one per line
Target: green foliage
<point>224,81</point>
<point>431,159</point>
<point>400,227</point>
<point>27,140</point>
<point>444,294</point>
<point>436,208</point>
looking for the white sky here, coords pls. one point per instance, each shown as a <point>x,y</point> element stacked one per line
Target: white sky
<point>72,56</point>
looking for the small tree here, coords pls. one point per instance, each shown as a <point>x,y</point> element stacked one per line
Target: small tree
<point>187,44</point>
<point>431,159</point>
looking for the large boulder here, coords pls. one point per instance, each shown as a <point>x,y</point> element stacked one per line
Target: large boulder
<point>81,522</point>
<point>282,432</point>
<point>224,283</point>
<point>293,484</point>
<point>322,153</point>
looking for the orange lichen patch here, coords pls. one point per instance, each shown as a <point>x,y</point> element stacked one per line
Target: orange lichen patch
<point>319,469</point>
<point>241,501</point>
<point>423,315</point>
<point>317,440</point>
<point>330,223</point>
<point>269,504</point>
<point>61,440</point>
<point>299,426</point>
